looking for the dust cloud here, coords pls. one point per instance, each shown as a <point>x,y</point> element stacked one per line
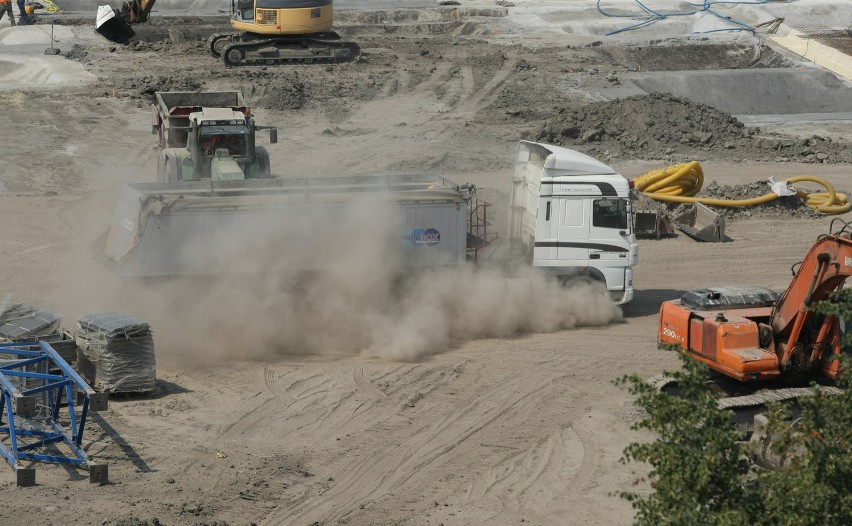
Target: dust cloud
<point>337,279</point>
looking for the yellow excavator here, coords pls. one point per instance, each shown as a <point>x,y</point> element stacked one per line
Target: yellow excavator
<point>281,31</point>
<point>268,31</point>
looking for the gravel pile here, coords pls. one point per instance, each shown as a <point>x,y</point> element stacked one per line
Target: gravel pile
<point>789,206</point>
<point>662,126</point>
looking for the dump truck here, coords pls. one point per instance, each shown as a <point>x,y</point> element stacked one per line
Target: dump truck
<point>571,216</point>
<point>208,135</point>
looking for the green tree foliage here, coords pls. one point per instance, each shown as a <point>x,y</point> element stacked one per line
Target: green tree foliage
<point>700,472</point>
<point>697,464</point>
<point>815,488</point>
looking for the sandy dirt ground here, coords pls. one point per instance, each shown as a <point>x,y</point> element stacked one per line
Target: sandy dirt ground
<point>526,428</point>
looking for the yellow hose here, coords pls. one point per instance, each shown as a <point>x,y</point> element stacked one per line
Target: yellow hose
<point>680,182</point>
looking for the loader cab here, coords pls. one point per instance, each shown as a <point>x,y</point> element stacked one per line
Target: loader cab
<point>220,145</point>
<point>214,128</point>
<point>214,139</point>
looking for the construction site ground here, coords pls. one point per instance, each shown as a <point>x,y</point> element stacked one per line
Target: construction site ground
<point>499,426</point>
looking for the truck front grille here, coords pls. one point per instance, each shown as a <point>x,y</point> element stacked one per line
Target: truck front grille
<point>267,16</point>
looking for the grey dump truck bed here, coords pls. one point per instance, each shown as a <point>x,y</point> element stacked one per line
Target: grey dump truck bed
<point>202,227</point>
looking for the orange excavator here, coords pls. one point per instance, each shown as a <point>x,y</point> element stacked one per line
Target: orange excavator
<point>753,333</point>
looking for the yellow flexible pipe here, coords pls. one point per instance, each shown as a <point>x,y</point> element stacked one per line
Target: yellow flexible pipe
<point>680,182</point>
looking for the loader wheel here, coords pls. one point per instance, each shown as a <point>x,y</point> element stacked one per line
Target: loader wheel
<point>263,165</point>
<point>161,168</point>
<point>172,172</point>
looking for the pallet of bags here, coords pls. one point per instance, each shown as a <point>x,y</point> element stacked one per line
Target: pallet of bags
<point>116,353</point>
<point>21,322</point>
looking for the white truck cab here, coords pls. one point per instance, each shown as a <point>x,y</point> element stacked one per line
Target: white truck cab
<point>571,215</point>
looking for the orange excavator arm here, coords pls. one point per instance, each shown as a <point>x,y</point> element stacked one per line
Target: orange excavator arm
<point>824,269</point>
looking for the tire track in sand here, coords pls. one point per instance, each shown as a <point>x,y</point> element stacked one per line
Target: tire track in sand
<point>385,469</point>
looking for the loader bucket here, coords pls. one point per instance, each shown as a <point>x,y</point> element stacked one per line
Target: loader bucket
<point>652,224</point>
<point>112,26</point>
<point>701,224</point>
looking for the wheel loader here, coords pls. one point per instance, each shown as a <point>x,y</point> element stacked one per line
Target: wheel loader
<point>753,334</point>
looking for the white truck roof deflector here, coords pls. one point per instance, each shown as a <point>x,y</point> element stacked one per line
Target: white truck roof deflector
<point>556,161</point>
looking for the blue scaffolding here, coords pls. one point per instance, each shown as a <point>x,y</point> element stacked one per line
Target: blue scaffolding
<point>38,389</point>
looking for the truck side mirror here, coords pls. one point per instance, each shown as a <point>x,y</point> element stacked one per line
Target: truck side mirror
<point>273,135</point>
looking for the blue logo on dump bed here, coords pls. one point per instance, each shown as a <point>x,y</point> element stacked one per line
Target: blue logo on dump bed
<point>420,237</point>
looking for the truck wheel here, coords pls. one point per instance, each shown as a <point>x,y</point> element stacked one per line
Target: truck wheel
<point>161,168</point>
<point>172,172</point>
<point>584,278</point>
<point>263,167</point>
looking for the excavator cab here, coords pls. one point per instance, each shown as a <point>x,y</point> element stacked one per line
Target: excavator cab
<point>282,17</point>
<point>244,10</point>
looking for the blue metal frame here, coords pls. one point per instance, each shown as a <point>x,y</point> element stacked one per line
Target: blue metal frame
<point>22,442</point>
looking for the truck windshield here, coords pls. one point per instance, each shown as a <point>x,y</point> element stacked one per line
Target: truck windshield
<point>232,138</point>
<point>610,213</point>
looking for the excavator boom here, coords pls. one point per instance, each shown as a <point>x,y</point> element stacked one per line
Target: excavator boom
<point>824,269</point>
<point>137,11</point>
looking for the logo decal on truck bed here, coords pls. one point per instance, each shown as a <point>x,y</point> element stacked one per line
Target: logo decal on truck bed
<point>422,237</point>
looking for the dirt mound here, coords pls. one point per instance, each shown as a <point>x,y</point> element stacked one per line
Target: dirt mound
<point>787,207</point>
<point>662,126</point>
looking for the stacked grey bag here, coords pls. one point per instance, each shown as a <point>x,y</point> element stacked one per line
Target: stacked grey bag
<point>116,353</point>
<point>21,322</point>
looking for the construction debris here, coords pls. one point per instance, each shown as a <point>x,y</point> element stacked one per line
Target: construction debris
<point>116,353</point>
<point>701,223</point>
<point>651,224</point>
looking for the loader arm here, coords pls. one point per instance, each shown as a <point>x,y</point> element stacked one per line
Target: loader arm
<point>824,269</point>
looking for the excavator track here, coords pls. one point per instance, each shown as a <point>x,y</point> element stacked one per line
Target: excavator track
<point>239,49</point>
<point>217,42</point>
<point>758,398</point>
